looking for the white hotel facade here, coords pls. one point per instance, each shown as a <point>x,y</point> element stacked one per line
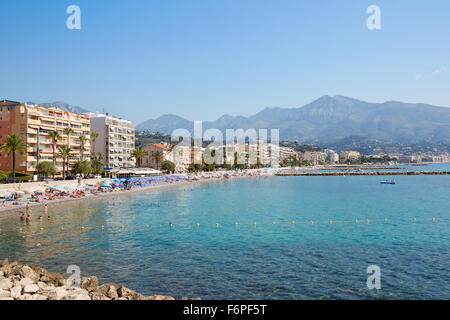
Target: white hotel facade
<point>116,140</point>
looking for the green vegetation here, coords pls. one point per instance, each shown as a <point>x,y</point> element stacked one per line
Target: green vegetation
<point>138,154</point>
<point>14,144</point>
<point>46,169</point>
<point>83,168</point>
<point>168,166</point>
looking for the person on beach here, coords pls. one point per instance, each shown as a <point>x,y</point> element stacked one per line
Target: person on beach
<point>4,205</point>
<point>48,217</point>
<point>28,207</point>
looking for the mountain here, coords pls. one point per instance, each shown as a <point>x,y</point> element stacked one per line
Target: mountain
<point>329,119</point>
<point>62,105</point>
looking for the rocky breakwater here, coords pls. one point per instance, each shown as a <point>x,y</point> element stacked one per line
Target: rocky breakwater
<point>23,282</point>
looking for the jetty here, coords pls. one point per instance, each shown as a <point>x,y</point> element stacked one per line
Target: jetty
<point>363,173</point>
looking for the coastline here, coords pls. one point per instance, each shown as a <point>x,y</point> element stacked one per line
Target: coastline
<point>58,203</point>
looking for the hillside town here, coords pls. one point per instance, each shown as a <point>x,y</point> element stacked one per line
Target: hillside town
<point>46,141</point>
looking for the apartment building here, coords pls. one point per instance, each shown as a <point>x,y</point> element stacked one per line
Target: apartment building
<point>315,157</point>
<point>33,123</point>
<point>345,156</point>
<point>116,140</point>
<point>150,159</point>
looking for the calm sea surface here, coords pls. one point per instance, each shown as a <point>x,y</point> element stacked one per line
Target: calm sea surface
<point>274,252</point>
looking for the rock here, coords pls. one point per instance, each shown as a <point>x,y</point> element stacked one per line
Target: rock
<point>2,274</point>
<point>27,272</point>
<point>124,292</point>
<point>159,297</point>
<point>77,295</point>
<point>26,282</point>
<point>6,298</point>
<point>5,293</point>
<point>4,262</point>
<point>121,298</point>
<point>89,283</point>
<point>5,284</point>
<point>25,297</point>
<point>57,294</point>
<point>31,288</point>
<point>109,290</point>
<point>16,292</point>
<point>39,297</point>
<point>95,295</point>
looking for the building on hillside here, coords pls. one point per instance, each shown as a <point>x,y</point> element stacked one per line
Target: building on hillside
<point>150,159</point>
<point>33,123</point>
<point>315,157</point>
<point>333,156</point>
<point>115,142</point>
<point>345,156</point>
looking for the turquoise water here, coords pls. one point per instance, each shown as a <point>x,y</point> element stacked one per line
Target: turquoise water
<point>284,260</point>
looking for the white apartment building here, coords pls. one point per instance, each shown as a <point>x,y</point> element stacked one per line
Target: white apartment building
<point>116,140</point>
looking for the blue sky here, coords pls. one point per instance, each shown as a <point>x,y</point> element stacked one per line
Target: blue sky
<point>203,58</point>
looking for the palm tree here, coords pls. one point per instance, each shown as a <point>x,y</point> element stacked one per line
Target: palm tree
<point>83,140</point>
<point>94,136</point>
<point>157,156</point>
<point>54,135</point>
<point>14,143</point>
<point>138,154</point>
<point>68,131</point>
<point>65,154</point>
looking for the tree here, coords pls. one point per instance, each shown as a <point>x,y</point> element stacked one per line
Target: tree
<point>138,154</point>
<point>94,136</point>
<point>65,154</point>
<point>97,163</point>
<point>54,135</point>
<point>157,156</point>
<point>83,140</point>
<point>14,143</point>
<point>82,167</point>
<point>68,131</point>
<point>168,166</point>
<point>46,168</point>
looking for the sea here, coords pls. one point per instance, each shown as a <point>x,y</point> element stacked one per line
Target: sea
<point>255,238</point>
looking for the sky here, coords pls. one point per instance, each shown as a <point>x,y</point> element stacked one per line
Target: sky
<point>200,59</point>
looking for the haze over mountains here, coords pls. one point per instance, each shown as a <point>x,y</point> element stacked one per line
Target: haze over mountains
<point>62,105</point>
<point>329,119</point>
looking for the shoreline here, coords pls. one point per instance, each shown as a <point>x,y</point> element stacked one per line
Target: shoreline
<point>53,204</point>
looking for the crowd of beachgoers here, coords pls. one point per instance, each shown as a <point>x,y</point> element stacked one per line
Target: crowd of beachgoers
<point>22,196</point>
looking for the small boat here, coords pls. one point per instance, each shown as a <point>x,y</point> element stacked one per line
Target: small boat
<point>388,182</point>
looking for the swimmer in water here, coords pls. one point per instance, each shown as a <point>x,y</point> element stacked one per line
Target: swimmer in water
<point>170,224</point>
<point>40,218</point>
<point>45,207</point>
<point>48,217</point>
<point>28,207</point>
<point>28,218</point>
<point>22,217</point>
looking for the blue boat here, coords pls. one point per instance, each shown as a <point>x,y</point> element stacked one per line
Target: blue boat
<point>388,182</point>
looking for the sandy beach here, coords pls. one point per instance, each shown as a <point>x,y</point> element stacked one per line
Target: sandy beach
<point>68,201</point>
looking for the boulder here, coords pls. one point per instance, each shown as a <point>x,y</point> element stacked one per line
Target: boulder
<point>6,298</point>
<point>27,272</point>
<point>25,296</point>
<point>124,292</point>
<point>16,292</point>
<point>5,293</point>
<point>57,294</point>
<point>5,284</point>
<point>159,297</point>
<point>26,282</point>
<point>39,297</point>
<point>109,290</point>
<point>89,283</point>
<point>31,288</point>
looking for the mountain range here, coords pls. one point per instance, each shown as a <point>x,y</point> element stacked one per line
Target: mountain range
<point>62,105</point>
<point>329,119</point>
